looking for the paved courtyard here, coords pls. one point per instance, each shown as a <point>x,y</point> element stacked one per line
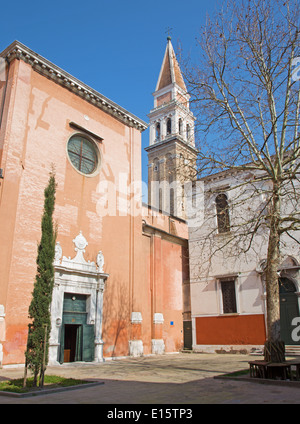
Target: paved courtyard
<point>185,378</point>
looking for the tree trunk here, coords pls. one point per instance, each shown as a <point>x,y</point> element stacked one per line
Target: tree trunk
<point>274,350</point>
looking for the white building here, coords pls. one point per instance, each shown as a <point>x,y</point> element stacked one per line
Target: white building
<point>228,296</point>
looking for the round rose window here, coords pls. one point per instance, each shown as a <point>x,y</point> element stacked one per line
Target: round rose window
<point>83,154</point>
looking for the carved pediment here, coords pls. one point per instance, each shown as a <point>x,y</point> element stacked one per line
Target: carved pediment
<point>78,263</point>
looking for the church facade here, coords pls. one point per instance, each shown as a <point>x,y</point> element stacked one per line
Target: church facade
<point>121,267</point>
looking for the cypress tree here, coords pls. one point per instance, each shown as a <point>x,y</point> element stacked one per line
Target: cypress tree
<point>36,355</point>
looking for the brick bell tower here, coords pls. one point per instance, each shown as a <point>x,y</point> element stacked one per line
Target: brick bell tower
<point>171,151</point>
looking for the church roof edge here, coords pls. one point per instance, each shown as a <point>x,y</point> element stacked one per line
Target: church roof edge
<point>17,50</point>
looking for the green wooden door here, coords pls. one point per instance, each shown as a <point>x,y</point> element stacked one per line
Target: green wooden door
<point>74,314</point>
<point>78,346</point>
<point>74,303</point>
<point>88,343</point>
<point>289,309</point>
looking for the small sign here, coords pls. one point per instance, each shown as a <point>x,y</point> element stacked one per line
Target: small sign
<point>171,322</point>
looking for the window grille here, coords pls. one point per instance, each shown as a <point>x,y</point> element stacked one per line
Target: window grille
<point>228,297</point>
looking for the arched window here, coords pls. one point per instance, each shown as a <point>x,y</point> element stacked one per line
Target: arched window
<point>188,131</point>
<point>160,193</point>
<point>180,126</point>
<point>156,165</point>
<point>286,286</point>
<point>169,126</point>
<point>157,131</point>
<point>171,197</point>
<point>222,213</point>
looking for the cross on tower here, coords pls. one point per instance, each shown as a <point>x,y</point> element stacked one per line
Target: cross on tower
<point>169,31</point>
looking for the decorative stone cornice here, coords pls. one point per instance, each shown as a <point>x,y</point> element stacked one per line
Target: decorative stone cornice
<point>171,106</point>
<point>174,138</point>
<point>19,51</point>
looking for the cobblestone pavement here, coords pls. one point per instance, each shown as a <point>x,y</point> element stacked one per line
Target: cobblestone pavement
<point>185,378</point>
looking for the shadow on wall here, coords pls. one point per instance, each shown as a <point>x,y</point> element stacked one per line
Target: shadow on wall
<point>116,318</point>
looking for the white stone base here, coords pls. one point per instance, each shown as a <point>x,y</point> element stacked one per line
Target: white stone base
<point>136,348</point>
<point>53,349</point>
<point>158,346</point>
<point>99,351</point>
<point>242,349</point>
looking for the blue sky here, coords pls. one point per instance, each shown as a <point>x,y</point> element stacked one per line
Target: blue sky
<point>115,46</point>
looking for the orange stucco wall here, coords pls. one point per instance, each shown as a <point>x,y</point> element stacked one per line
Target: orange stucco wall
<point>173,271</point>
<point>166,267</point>
<point>231,329</point>
<point>34,136</point>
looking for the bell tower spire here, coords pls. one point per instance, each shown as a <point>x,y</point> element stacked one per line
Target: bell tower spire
<point>171,151</point>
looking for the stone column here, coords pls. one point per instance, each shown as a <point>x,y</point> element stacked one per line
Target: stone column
<point>56,322</point>
<point>98,323</point>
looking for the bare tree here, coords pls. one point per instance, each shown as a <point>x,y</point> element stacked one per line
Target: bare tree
<point>245,92</point>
